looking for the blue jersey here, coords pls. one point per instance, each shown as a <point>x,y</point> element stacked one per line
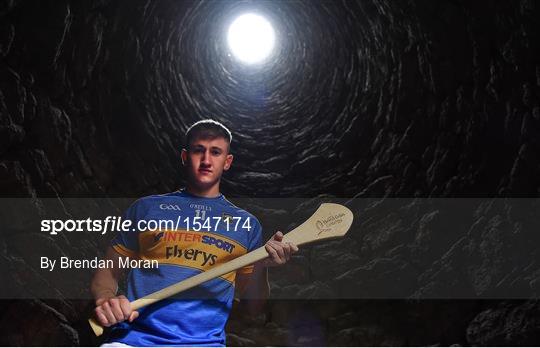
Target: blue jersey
<point>195,234</point>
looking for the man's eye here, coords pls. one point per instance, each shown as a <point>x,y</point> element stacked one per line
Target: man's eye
<point>197,150</point>
<point>216,153</point>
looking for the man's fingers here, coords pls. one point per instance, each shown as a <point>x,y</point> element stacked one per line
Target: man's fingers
<point>278,236</point>
<point>116,309</point>
<point>279,252</point>
<point>271,251</point>
<point>111,319</point>
<point>291,249</point>
<point>134,315</point>
<point>277,255</point>
<point>286,251</point>
<point>274,254</point>
<point>101,317</point>
<point>271,254</point>
<point>125,306</point>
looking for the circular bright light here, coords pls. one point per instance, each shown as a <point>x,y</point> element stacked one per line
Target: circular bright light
<point>251,38</point>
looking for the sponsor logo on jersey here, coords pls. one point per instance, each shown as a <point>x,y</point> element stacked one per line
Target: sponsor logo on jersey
<point>200,207</point>
<point>191,254</point>
<point>184,236</point>
<point>198,250</point>
<point>165,206</point>
<point>219,243</point>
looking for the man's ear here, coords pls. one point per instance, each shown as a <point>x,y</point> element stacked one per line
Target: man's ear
<point>183,156</point>
<point>228,162</point>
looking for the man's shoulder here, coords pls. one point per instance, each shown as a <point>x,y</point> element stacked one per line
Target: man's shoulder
<point>240,211</point>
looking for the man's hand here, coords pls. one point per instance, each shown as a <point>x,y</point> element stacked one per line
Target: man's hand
<point>280,252</point>
<point>112,310</point>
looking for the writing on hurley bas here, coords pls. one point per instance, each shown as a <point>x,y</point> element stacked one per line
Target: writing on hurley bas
<point>65,262</point>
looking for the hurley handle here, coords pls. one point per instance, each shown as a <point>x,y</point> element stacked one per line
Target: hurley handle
<point>330,220</point>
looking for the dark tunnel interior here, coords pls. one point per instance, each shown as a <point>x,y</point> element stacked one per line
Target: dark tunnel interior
<point>363,99</point>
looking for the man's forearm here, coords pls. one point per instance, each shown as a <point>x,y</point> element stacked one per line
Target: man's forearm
<point>105,281</point>
<point>104,284</point>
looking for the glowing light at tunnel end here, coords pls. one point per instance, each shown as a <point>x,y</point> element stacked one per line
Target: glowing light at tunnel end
<point>251,38</point>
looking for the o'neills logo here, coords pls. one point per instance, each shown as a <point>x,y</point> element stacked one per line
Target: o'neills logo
<point>325,225</point>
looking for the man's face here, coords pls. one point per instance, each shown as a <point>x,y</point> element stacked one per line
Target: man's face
<point>206,159</point>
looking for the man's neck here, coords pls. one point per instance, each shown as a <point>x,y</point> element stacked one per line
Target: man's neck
<point>211,192</point>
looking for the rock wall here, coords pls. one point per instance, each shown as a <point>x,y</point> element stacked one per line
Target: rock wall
<point>364,99</point>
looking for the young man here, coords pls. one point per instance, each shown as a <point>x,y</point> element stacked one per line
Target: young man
<point>212,231</point>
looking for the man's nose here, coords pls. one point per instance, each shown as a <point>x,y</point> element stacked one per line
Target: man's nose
<point>205,159</point>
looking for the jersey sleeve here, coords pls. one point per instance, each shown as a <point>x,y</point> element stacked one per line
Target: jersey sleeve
<point>254,242</point>
<point>126,243</point>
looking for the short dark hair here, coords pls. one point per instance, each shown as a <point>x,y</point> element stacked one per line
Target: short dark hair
<point>207,129</point>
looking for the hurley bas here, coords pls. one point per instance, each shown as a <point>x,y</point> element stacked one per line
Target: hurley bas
<point>66,263</point>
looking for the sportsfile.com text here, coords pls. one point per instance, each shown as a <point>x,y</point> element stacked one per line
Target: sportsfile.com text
<point>119,224</point>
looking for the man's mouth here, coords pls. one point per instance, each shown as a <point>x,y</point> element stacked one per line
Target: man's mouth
<point>205,171</point>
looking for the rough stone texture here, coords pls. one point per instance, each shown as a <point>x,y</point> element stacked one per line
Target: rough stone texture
<point>40,323</point>
<point>364,99</point>
<point>506,323</point>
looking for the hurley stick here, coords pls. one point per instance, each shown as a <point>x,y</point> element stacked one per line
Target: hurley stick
<point>329,221</point>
